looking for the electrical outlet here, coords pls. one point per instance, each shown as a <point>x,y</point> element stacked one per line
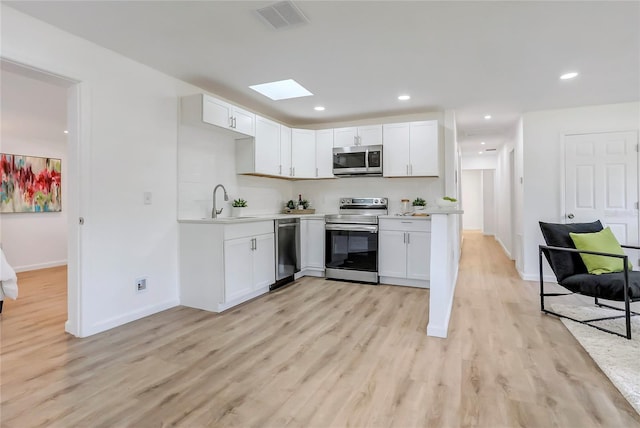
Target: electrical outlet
<point>141,284</point>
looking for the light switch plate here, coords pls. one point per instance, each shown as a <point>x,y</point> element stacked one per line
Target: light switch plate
<point>147,198</point>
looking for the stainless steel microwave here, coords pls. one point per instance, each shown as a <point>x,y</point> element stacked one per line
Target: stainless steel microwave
<point>357,161</point>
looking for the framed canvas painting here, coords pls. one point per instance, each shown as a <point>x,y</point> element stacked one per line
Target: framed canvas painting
<point>30,184</point>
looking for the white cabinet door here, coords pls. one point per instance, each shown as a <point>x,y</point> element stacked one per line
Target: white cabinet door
<point>238,277</point>
<point>418,255</point>
<point>285,151</point>
<point>264,271</point>
<point>221,113</point>
<point>267,147</point>
<point>344,137</point>
<point>315,243</point>
<point>424,160</point>
<point>303,153</point>
<point>370,135</point>
<point>243,121</point>
<point>395,151</point>
<point>357,136</point>
<point>304,243</point>
<point>216,112</point>
<point>392,253</point>
<point>324,153</point>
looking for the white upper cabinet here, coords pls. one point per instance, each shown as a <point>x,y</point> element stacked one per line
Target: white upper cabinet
<point>303,149</point>
<point>358,136</point>
<point>411,149</point>
<point>285,151</point>
<point>260,154</point>
<point>267,140</point>
<point>324,153</point>
<point>221,113</point>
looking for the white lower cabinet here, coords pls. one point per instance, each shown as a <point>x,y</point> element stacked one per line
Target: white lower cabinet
<point>223,265</point>
<point>249,265</point>
<point>404,252</point>
<point>312,234</point>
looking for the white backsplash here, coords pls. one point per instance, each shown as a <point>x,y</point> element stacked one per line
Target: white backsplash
<point>206,157</point>
<point>324,195</point>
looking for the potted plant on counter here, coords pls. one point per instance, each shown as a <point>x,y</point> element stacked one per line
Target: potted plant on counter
<point>238,206</point>
<point>419,204</point>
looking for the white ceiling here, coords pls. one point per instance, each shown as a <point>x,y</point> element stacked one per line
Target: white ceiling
<point>477,58</point>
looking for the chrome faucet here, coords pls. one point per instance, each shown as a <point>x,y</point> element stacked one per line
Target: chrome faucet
<point>214,211</point>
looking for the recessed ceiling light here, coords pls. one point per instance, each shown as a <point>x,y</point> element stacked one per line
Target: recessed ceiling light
<point>482,142</point>
<point>404,97</point>
<point>488,116</point>
<point>282,90</point>
<point>318,108</point>
<point>65,131</point>
<point>479,153</point>
<point>567,76</point>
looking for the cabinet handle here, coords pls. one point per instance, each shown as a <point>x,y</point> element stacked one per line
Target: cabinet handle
<point>230,121</point>
<point>280,170</point>
<point>290,171</point>
<point>293,173</point>
<point>316,172</point>
<point>404,238</point>
<point>255,243</point>
<point>411,169</point>
<point>407,169</point>
<point>408,238</point>
<point>235,123</point>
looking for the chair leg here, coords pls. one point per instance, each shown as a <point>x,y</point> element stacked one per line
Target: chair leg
<point>1,303</point>
<point>627,304</point>
<point>541,280</point>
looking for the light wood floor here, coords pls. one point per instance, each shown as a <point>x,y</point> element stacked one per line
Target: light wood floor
<point>316,354</point>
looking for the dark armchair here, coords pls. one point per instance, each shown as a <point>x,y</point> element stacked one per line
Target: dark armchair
<point>572,274</point>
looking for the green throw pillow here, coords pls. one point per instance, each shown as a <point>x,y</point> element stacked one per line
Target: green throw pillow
<point>603,241</point>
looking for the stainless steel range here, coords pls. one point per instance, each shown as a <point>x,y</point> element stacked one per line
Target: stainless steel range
<point>352,239</point>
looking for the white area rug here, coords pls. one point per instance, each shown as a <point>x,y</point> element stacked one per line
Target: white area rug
<point>618,357</point>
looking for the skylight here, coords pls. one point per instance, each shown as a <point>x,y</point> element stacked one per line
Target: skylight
<point>282,90</point>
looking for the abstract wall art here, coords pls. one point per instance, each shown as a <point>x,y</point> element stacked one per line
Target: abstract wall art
<point>30,184</point>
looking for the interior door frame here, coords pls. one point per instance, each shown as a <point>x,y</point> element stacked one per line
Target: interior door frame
<point>563,178</point>
<point>78,176</point>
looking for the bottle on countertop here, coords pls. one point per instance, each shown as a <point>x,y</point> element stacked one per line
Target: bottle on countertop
<point>300,205</point>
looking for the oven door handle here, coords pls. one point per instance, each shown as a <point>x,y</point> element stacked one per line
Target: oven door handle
<point>352,228</point>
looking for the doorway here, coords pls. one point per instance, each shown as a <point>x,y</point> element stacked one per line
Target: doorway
<point>40,117</point>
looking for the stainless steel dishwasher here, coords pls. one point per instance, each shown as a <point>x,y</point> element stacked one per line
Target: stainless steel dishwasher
<point>287,250</point>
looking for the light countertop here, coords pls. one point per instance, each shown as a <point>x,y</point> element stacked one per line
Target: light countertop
<point>250,218</point>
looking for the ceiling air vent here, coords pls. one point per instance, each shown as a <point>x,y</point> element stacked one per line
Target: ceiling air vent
<point>282,15</point>
<point>490,150</point>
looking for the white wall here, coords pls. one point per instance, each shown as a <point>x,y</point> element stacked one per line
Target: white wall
<point>33,120</point>
<point>472,200</point>
<point>543,165</point>
<point>128,132</point>
<point>206,157</point>
<point>488,202</point>
<point>504,215</point>
<point>484,161</point>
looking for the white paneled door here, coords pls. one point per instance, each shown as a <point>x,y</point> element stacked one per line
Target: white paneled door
<point>601,181</point>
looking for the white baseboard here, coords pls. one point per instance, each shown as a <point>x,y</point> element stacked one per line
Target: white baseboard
<point>504,248</point>
<point>536,277</point>
<point>37,266</point>
<point>228,305</point>
<point>108,324</point>
<point>391,280</point>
